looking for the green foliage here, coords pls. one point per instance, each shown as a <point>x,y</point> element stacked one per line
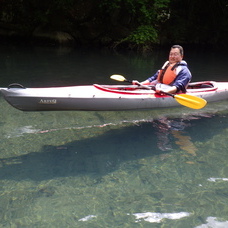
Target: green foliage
<point>144,11</point>
<point>142,35</point>
<point>132,22</point>
<point>146,17</point>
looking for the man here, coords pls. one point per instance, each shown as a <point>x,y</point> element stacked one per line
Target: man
<point>174,73</point>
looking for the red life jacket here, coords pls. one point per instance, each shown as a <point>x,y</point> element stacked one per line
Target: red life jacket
<point>167,74</point>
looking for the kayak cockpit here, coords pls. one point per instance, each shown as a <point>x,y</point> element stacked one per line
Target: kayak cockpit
<point>193,87</point>
<point>204,86</point>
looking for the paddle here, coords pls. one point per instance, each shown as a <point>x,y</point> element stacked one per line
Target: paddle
<point>187,100</point>
<point>121,78</point>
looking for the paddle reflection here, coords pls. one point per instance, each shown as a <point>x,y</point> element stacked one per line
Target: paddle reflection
<point>175,130</point>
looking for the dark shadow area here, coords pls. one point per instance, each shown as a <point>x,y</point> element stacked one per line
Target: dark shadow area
<point>93,156</point>
<point>105,153</point>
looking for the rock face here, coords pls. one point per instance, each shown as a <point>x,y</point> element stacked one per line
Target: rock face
<point>57,37</point>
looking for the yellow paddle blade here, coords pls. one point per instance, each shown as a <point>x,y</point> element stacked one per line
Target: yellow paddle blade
<point>190,101</point>
<point>118,77</point>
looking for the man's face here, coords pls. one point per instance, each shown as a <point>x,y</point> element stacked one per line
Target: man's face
<point>175,55</point>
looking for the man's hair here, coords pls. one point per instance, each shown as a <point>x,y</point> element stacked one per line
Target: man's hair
<point>180,48</point>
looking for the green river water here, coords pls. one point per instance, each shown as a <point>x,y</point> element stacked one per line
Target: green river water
<point>161,168</point>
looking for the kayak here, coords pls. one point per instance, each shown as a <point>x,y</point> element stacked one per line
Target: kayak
<point>105,97</point>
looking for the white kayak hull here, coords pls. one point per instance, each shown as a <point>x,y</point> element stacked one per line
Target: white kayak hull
<point>104,97</point>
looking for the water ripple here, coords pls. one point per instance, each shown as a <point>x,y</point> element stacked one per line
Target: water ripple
<point>158,217</point>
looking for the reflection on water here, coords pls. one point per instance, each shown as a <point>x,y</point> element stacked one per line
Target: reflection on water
<point>116,175</point>
<point>185,143</point>
<point>157,217</point>
<point>214,222</point>
<point>110,169</point>
<point>213,179</point>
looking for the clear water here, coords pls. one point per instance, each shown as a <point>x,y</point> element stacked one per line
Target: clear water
<point>159,168</point>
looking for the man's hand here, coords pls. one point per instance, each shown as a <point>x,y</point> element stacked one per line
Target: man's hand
<point>135,82</point>
<point>165,88</point>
